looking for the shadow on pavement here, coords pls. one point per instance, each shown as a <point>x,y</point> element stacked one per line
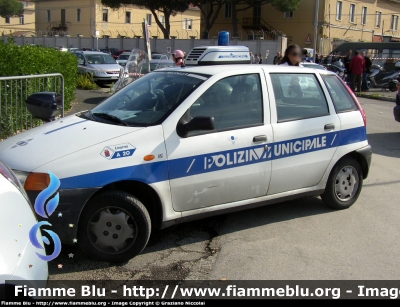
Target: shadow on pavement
<point>385,144</point>
<point>174,236</point>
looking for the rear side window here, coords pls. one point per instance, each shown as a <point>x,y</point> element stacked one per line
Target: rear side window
<point>340,95</point>
<point>298,96</point>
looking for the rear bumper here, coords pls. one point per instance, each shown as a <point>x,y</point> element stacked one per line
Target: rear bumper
<point>65,218</point>
<point>366,153</point>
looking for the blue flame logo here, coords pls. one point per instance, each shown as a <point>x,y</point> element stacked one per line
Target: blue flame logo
<point>45,209</point>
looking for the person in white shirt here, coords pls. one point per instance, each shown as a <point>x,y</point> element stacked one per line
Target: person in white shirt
<point>292,56</point>
<point>251,58</point>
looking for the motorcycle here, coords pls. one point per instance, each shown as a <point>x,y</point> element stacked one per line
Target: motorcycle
<point>380,78</point>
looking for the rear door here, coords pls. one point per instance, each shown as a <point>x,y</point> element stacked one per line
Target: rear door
<point>306,131</point>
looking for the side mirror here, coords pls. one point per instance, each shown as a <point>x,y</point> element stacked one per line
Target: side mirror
<point>44,105</point>
<point>196,124</point>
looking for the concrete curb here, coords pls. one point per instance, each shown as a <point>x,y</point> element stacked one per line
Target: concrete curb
<point>376,97</point>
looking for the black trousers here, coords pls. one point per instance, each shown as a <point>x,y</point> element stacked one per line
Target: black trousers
<point>356,79</point>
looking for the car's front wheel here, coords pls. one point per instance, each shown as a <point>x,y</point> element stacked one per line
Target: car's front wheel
<point>114,226</point>
<point>344,184</point>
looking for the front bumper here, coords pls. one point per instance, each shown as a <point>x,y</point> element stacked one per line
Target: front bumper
<point>64,220</point>
<point>106,78</point>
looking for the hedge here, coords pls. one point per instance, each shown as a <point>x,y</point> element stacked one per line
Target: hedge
<point>31,60</point>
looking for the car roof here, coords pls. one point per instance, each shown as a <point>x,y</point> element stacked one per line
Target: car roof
<point>91,52</point>
<point>162,61</point>
<point>216,69</point>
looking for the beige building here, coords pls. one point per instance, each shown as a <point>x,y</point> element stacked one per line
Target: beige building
<point>23,25</point>
<point>338,21</point>
<point>90,17</point>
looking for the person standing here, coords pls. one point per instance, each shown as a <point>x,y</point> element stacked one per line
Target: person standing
<point>256,59</point>
<point>357,68</point>
<point>251,58</point>
<point>292,56</point>
<point>317,58</point>
<point>346,62</point>
<point>368,64</point>
<point>261,59</point>
<point>277,58</point>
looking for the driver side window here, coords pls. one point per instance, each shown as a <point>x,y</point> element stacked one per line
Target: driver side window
<point>234,102</point>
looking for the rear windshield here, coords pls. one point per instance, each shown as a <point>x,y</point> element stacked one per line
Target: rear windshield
<point>340,95</point>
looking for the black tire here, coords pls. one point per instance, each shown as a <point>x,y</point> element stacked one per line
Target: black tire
<point>349,172</point>
<point>392,86</point>
<point>114,226</point>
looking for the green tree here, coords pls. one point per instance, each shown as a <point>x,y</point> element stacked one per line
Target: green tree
<point>10,8</point>
<point>209,13</point>
<point>167,7</point>
<point>243,5</point>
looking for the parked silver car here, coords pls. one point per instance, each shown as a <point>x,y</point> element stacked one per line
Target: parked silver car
<point>98,66</point>
<point>123,58</point>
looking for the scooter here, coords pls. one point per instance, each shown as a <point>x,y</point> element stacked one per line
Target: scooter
<point>384,79</point>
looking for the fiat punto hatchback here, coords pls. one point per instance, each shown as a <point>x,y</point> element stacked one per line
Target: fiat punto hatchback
<point>188,142</point>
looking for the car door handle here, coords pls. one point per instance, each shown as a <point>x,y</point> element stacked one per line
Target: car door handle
<point>260,138</point>
<point>329,126</point>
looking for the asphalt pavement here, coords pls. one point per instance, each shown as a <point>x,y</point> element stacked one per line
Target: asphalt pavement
<point>296,240</point>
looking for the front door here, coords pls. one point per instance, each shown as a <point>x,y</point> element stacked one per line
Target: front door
<point>230,163</point>
<point>306,132</point>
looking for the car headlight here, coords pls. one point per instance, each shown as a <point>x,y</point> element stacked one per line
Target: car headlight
<point>33,181</point>
<point>21,176</point>
<point>100,72</point>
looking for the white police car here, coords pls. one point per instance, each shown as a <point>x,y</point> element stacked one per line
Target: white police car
<point>189,142</point>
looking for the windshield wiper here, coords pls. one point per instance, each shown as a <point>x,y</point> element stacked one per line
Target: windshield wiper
<point>90,115</point>
<point>113,118</point>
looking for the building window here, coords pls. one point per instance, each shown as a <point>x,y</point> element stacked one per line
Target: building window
<point>339,8</point>
<point>228,10</point>
<point>378,19</point>
<point>149,19</point>
<point>127,17</point>
<point>288,14</point>
<point>25,4</point>
<point>78,14</point>
<point>364,15</point>
<point>105,15</point>
<point>7,19</point>
<point>395,22</point>
<point>187,24</point>
<point>162,20</point>
<point>48,15</point>
<point>21,19</point>
<point>352,13</point>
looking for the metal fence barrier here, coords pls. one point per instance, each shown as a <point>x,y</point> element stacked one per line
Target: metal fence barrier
<point>14,90</point>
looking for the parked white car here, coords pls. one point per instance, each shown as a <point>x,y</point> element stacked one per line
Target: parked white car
<point>18,259</point>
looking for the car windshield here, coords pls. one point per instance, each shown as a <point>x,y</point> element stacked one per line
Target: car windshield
<point>148,100</point>
<point>123,57</point>
<point>99,59</point>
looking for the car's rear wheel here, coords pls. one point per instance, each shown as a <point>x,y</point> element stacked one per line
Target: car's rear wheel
<point>344,184</point>
<point>114,226</point>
